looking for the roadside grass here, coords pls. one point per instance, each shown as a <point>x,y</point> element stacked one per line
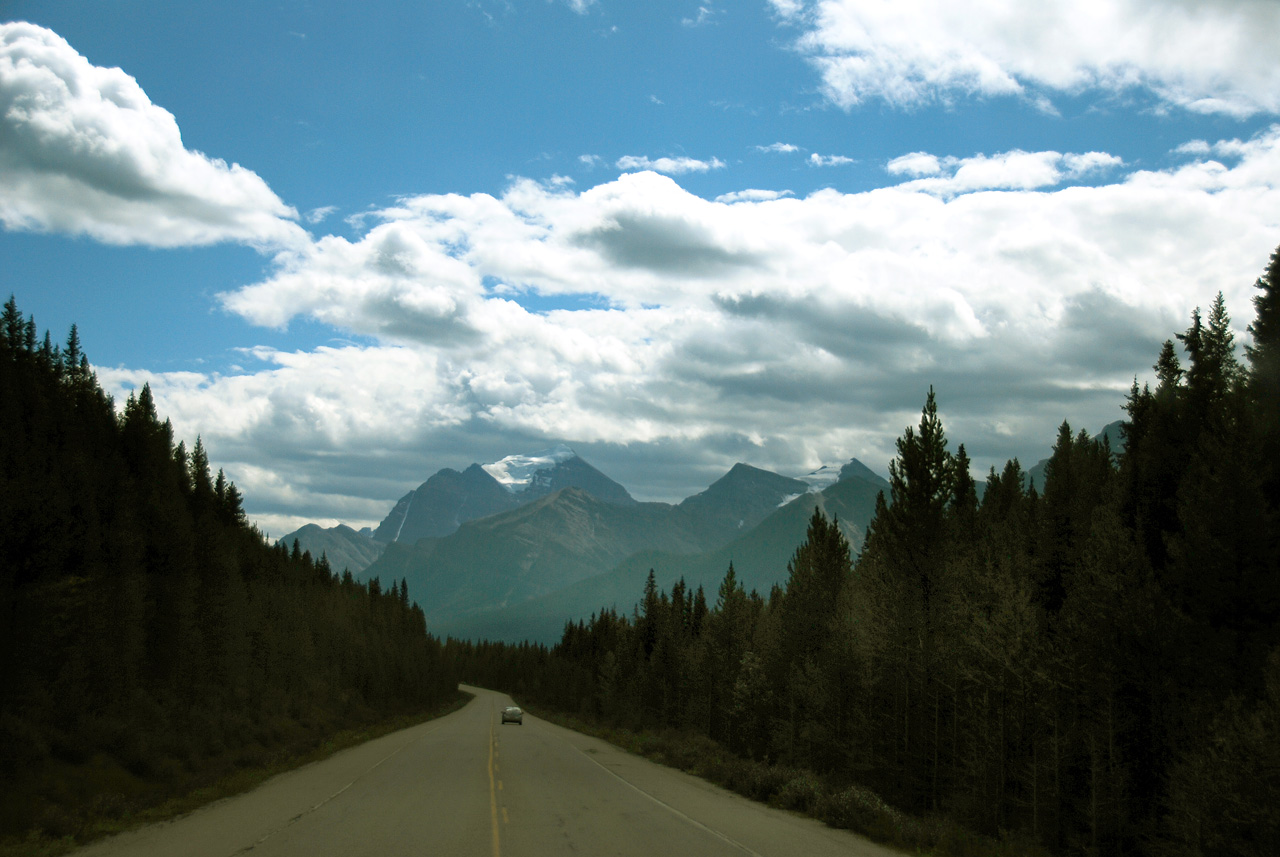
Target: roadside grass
<point>79,803</point>
<point>845,806</point>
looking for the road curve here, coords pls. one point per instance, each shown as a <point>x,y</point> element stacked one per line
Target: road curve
<point>467,785</point>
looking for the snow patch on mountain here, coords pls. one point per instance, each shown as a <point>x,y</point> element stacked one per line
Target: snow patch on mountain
<point>405,516</point>
<point>517,473</point>
<point>822,478</point>
<point>818,481</point>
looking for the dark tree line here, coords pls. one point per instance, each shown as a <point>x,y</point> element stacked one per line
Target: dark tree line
<point>1094,662</point>
<point>146,629</point>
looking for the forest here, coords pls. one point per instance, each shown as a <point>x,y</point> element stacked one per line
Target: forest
<point>1088,666</point>
<point>150,638</point>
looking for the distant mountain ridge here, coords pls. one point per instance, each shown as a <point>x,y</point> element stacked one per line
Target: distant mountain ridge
<point>491,545</point>
<point>740,499</point>
<point>525,571</point>
<point>342,546</point>
<point>512,549</point>
<point>759,556</point>
<point>449,499</point>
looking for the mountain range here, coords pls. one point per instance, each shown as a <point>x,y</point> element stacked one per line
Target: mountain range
<point>514,549</point>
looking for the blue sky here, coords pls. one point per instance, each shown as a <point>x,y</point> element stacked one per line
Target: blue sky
<point>349,245</point>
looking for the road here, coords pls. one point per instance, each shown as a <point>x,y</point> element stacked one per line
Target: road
<point>466,785</point>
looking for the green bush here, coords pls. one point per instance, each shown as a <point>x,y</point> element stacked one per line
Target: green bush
<point>801,793</point>
<point>862,810</point>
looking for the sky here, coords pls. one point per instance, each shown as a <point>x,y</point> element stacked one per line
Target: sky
<point>348,245</point>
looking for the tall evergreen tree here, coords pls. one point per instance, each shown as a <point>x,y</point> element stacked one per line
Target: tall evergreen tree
<point>910,529</point>
<point>1264,379</point>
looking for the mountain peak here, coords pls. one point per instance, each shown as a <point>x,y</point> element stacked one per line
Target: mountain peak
<point>822,478</point>
<point>449,499</point>
<point>855,469</point>
<point>517,472</point>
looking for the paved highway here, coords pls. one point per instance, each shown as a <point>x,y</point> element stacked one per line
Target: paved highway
<point>467,785</point>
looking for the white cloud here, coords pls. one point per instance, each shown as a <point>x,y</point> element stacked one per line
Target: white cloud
<point>780,148</point>
<point>1234,148</point>
<point>84,151</point>
<point>829,160</point>
<point>671,166</point>
<point>915,164</point>
<point>705,15</point>
<point>319,215</point>
<point>1194,147</point>
<point>765,328</point>
<point>580,6</point>
<point>1078,166</point>
<point>1208,57</point>
<point>752,195</point>
<point>1015,170</point>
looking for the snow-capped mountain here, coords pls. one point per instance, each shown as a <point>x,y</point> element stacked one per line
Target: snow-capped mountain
<point>518,473</point>
<point>822,478</point>
<point>523,572</point>
<point>451,498</point>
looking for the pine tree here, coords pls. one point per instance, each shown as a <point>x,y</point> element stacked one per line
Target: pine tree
<point>728,635</point>
<point>817,573</point>
<point>15,326</point>
<point>1168,370</point>
<point>1078,478</point>
<point>1214,372</point>
<point>910,529</point>
<point>1264,379</point>
<point>71,355</point>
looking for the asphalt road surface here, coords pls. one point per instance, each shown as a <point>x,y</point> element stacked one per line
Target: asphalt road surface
<point>467,785</point>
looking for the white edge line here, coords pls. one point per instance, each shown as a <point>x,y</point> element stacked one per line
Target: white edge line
<point>667,806</point>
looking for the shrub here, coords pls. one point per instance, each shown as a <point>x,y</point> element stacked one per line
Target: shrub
<point>801,793</point>
<point>862,810</point>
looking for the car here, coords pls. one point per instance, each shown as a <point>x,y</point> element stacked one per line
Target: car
<point>512,714</point>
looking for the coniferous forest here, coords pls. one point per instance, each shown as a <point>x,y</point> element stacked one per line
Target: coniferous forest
<point>1090,666</point>
<point>150,638</point>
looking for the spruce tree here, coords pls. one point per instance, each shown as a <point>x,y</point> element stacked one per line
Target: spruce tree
<point>1264,380</point>
<point>910,528</point>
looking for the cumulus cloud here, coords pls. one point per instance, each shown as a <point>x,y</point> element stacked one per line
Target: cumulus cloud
<point>670,166</point>
<point>915,164</point>
<point>84,151</point>
<point>1207,57</point>
<point>761,327</point>
<point>817,160</point>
